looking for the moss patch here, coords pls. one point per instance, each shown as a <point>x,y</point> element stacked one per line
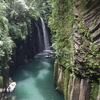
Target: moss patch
<point>94,90</point>
<point>1,82</point>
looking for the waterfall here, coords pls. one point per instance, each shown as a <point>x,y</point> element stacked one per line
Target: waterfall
<point>40,42</point>
<point>45,35</point>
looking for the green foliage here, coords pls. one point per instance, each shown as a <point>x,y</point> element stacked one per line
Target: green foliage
<point>94,90</point>
<point>90,51</point>
<point>1,82</point>
<point>42,8</point>
<point>12,26</point>
<point>60,24</point>
<point>91,59</point>
<point>18,30</point>
<point>6,43</point>
<point>15,19</point>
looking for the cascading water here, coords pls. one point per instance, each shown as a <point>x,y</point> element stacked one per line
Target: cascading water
<point>45,35</point>
<point>40,43</point>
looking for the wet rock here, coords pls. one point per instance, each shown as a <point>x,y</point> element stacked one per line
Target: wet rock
<point>98,98</point>
<point>75,89</point>
<point>58,77</point>
<point>84,90</point>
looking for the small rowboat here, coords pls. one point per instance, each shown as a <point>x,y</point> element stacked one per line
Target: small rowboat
<point>11,87</point>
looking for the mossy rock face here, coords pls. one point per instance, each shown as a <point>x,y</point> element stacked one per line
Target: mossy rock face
<point>94,90</point>
<point>1,81</point>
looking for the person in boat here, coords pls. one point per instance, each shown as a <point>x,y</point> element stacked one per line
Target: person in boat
<point>11,87</point>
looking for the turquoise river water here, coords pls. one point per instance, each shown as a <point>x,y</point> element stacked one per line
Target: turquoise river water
<point>35,80</point>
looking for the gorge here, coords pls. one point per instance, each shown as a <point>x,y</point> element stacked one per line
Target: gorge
<point>73,27</point>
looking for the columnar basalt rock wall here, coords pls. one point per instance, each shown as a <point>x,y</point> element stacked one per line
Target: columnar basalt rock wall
<point>59,77</point>
<point>87,37</point>
<point>75,89</point>
<point>83,84</point>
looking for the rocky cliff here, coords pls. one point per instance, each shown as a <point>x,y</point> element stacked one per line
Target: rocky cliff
<point>82,82</point>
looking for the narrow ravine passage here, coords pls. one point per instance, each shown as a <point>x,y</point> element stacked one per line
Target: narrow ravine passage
<point>35,80</point>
